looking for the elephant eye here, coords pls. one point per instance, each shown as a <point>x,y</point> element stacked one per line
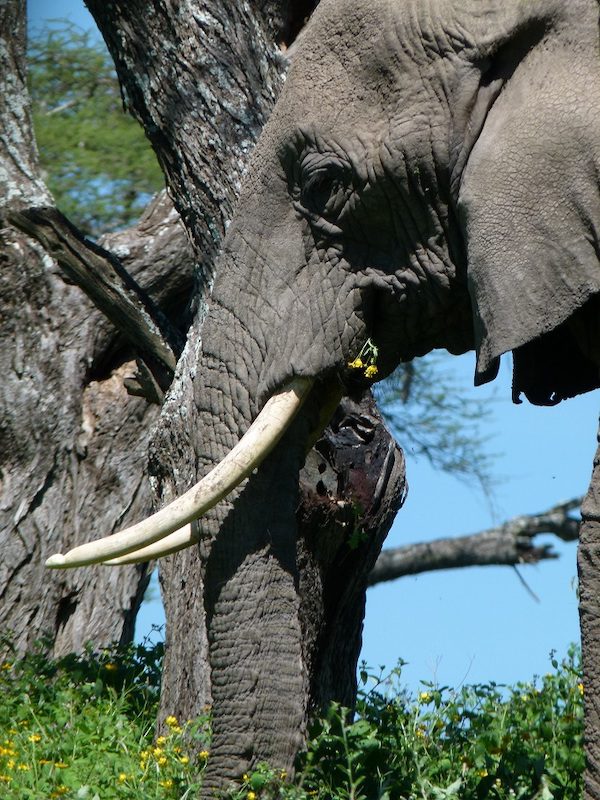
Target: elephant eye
<point>324,189</point>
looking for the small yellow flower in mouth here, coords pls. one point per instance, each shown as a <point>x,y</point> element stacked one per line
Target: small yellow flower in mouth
<point>356,364</point>
<point>580,688</point>
<point>366,360</point>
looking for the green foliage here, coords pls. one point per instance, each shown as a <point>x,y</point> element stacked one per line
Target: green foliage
<point>431,415</point>
<point>481,741</point>
<point>83,728</point>
<point>97,162</point>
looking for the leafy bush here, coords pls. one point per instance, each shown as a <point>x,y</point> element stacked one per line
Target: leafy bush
<point>83,727</point>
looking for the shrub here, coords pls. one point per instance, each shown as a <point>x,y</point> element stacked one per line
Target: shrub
<point>83,728</point>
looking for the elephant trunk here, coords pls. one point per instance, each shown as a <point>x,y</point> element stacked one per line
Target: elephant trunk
<point>251,589</point>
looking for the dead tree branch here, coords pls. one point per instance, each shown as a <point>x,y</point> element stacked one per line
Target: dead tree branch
<point>509,544</point>
<point>113,291</point>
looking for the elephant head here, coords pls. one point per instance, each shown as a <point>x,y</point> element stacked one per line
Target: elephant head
<point>428,179</point>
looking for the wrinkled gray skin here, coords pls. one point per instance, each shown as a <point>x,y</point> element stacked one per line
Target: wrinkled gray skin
<point>429,179</point>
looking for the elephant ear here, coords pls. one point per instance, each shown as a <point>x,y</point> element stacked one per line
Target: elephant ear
<point>530,208</point>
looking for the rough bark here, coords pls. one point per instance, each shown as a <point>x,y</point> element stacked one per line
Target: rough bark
<point>202,93</point>
<point>202,133</point>
<point>588,564</point>
<point>109,286</point>
<point>509,544</point>
<point>72,441</point>
<point>351,487</point>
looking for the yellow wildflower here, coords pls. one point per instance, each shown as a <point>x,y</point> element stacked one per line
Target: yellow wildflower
<point>203,754</point>
<point>23,767</point>
<point>371,371</point>
<point>162,761</point>
<point>110,667</point>
<point>60,791</point>
<point>482,773</point>
<point>122,777</point>
<point>356,364</point>
<point>7,665</point>
<point>425,697</point>
<point>161,740</point>
<point>171,721</point>
<point>10,764</point>
<point>35,737</point>
<point>184,760</point>
<point>61,765</point>
<point>5,779</point>
<point>44,761</point>
<point>158,751</point>
<point>251,795</point>
<point>166,784</point>
<point>580,688</point>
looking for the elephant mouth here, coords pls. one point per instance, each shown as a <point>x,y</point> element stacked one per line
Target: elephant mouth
<point>170,529</point>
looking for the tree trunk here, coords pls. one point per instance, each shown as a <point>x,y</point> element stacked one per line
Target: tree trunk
<point>588,564</point>
<point>72,441</point>
<point>202,93</point>
<point>202,134</point>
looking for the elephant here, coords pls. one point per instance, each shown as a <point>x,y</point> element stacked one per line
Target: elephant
<point>428,179</point>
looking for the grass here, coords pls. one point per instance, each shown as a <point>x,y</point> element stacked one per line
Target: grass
<point>83,728</point>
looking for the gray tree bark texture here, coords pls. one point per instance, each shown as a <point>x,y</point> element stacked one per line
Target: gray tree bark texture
<point>588,564</point>
<point>72,441</point>
<point>202,93</point>
<point>510,544</point>
<point>232,48</point>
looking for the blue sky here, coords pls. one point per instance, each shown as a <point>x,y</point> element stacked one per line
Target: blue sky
<point>475,624</point>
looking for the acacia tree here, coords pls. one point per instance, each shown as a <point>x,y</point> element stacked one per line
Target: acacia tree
<point>101,605</point>
<point>93,387</point>
<point>92,476</point>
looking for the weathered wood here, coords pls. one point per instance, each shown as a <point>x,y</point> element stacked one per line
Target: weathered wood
<point>109,286</point>
<point>203,93</point>
<point>509,544</point>
<point>588,566</point>
<point>73,444</point>
<point>351,487</point>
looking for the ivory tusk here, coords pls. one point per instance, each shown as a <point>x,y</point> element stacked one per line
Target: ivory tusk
<point>253,447</point>
<point>173,543</point>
